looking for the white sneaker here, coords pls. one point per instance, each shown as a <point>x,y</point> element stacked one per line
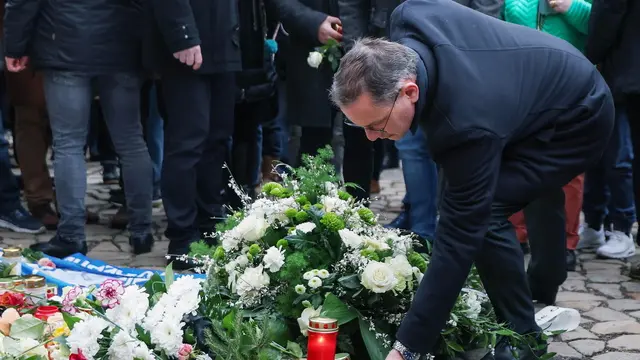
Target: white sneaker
<point>590,239</point>
<point>619,246</point>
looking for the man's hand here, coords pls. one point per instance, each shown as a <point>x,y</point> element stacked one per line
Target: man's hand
<point>16,65</point>
<point>191,56</point>
<point>394,355</point>
<point>328,30</point>
<point>561,6</point>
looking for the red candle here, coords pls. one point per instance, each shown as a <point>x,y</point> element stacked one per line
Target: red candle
<point>323,337</point>
<point>43,312</point>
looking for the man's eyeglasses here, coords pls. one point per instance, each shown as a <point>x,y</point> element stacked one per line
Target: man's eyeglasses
<point>371,127</point>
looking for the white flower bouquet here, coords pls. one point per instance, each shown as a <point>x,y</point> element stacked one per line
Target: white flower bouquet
<point>306,248</point>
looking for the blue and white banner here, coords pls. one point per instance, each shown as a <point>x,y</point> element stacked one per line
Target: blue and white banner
<point>80,270</point>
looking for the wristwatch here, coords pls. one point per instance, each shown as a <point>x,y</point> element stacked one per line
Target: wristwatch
<point>404,352</point>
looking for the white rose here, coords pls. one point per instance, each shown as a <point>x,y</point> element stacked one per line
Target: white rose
<point>315,59</point>
<point>230,240</point>
<point>303,320</point>
<point>306,227</point>
<point>378,277</point>
<point>401,266</point>
<point>273,259</point>
<point>252,228</point>
<point>251,281</point>
<point>375,244</point>
<point>351,239</point>
<point>331,188</point>
<point>418,274</point>
<point>242,260</point>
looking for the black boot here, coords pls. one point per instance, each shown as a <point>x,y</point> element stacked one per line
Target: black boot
<point>531,351</point>
<point>141,245</point>
<point>543,294</point>
<point>571,260</point>
<point>176,256</point>
<point>61,248</point>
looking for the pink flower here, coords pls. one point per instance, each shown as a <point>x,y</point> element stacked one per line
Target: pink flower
<point>46,262</point>
<point>184,352</point>
<point>109,293</point>
<point>69,299</point>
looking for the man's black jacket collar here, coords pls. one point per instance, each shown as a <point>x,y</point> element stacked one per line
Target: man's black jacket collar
<point>426,81</point>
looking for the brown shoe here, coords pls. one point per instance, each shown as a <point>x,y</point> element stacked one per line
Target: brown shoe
<point>46,214</point>
<point>375,187</point>
<point>267,169</point>
<point>120,220</point>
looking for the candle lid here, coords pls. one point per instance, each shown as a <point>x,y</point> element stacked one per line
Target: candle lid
<point>342,356</point>
<point>17,282</point>
<point>11,252</point>
<point>34,281</point>
<point>323,324</point>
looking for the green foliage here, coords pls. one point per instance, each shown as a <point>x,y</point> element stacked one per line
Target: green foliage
<point>302,216</point>
<point>200,248</point>
<point>415,259</point>
<point>367,216</point>
<point>314,173</point>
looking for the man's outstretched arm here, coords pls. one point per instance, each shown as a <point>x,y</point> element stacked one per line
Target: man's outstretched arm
<point>471,170</point>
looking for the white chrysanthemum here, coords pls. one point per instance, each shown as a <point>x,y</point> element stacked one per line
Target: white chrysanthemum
<point>308,275</point>
<point>273,259</point>
<point>334,204</point>
<point>474,304</point>
<point>350,238</point>
<point>252,281</point>
<point>306,227</point>
<point>132,309</point>
<point>231,240</point>
<point>378,277</point>
<point>300,289</point>
<point>142,352</point>
<point>85,336</point>
<point>315,282</point>
<point>252,228</point>
<point>323,273</point>
<point>167,334</point>
<point>122,346</point>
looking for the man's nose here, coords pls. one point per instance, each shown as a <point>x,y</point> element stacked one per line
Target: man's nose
<point>372,135</point>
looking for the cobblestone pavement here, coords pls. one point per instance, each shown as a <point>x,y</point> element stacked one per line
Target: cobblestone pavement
<point>608,300</point>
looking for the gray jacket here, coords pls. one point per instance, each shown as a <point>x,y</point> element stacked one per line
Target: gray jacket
<point>371,17</point>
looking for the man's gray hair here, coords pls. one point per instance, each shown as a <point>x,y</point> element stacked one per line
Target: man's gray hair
<point>374,66</point>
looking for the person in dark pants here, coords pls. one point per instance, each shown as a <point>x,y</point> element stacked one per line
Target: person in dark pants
<point>613,45</point>
<point>522,134</point>
<point>194,46</point>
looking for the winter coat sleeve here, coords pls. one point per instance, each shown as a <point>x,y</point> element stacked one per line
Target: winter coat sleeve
<point>19,18</point>
<point>471,168</point>
<point>604,27</point>
<point>488,7</point>
<point>354,15</point>
<point>176,23</point>
<point>299,19</point>
<point>578,15</point>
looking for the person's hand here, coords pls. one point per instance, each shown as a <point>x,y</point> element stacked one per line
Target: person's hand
<point>561,6</point>
<point>16,65</point>
<point>394,355</point>
<point>191,57</point>
<point>330,29</point>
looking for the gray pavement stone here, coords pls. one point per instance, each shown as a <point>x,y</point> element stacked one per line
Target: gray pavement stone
<point>609,290</point>
<point>564,350</point>
<point>606,314</point>
<point>616,327</point>
<point>588,347</point>
<point>624,304</point>
<point>625,342</point>
<point>615,355</point>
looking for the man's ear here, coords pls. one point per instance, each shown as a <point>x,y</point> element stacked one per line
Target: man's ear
<point>412,90</point>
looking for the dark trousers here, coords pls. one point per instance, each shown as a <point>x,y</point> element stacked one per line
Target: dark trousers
<point>633,111</point>
<point>358,161</point>
<point>199,125</point>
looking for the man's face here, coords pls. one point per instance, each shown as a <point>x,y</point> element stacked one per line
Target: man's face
<point>390,121</point>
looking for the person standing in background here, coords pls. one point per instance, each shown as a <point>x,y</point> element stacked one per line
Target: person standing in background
<point>193,45</point>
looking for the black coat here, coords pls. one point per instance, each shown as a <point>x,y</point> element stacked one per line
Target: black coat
<point>174,25</point>
<point>78,35</point>
<point>614,43</point>
<point>502,127</point>
<point>307,88</point>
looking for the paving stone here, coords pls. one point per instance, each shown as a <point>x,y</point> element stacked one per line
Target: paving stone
<point>588,347</point>
<point>572,275</point>
<point>578,333</point>
<point>625,342</point>
<point>599,265</point>
<point>576,296</point>
<point>635,314</point>
<point>563,349</point>
<point>609,290</point>
<point>624,304</point>
<point>616,327</point>
<point>574,285</point>
<point>606,314</point>
<point>579,305</point>
<point>631,286</point>
<point>617,356</point>
<point>606,277</point>
<point>587,256</point>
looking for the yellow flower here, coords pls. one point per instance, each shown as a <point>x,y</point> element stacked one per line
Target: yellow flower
<point>61,331</point>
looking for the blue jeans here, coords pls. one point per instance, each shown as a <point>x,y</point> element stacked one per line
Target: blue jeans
<point>421,180</point>
<point>608,187</point>
<point>68,96</point>
<point>155,138</point>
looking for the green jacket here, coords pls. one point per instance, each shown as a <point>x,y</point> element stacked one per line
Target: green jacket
<point>571,26</point>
